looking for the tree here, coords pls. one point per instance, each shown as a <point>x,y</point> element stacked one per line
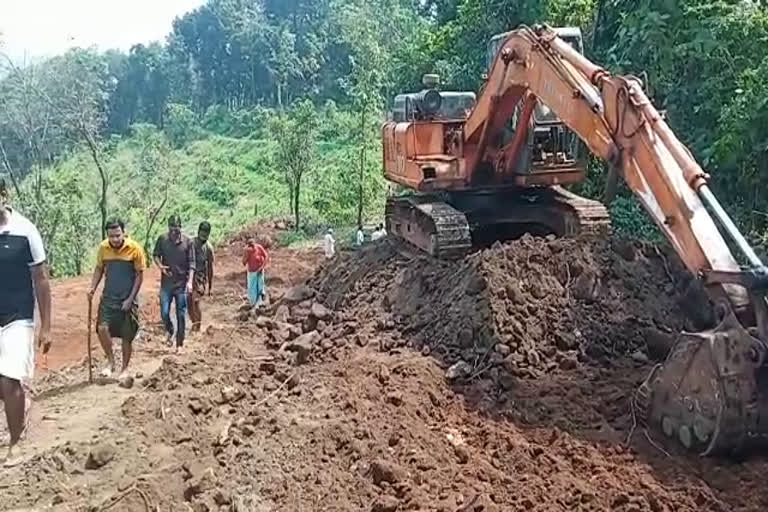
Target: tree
<point>295,131</point>
<point>369,64</point>
<point>77,88</point>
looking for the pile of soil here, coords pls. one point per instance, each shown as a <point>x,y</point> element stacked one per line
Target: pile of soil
<point>531,306</point>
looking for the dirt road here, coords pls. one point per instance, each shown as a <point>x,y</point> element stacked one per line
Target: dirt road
<point>352,407</point>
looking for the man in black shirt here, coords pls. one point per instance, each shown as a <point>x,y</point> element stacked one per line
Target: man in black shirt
<point>203,274</point>
<point>174,254</point>
<point>23,279</point>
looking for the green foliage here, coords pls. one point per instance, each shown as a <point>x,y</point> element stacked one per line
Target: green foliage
<point>265,107</point>
<point>629,219</point>
<point>181,124</point>
<point>290,238</point>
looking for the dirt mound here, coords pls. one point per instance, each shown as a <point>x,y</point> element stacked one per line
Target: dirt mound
<point>532,306</point>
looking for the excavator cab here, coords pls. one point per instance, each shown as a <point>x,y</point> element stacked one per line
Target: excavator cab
<point>550,149</point>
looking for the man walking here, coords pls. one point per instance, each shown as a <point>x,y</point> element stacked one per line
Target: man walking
<point>122,260</point>
<point>255,259</point>
<point>329,244</point>
<point>23,279</point>
<point>203,274</point>
<point>174,254</point>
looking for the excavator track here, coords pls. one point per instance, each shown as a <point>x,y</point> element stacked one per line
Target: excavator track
<point>431,225</point>
<point>449,231</point>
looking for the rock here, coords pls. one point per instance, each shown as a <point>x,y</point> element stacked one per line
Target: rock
<point>476,285</point>
<point>280,336</point>
<point>459,370</point>
<point>199,406</point>
<point>465,337</point>
<point>231,394</point>
<point>283,314</point>
<point>585,287</point>
<point>200,483</point>
<point>326,344</point>
<point>385,504</point>
<point>245,308</point>
<point>389,472</point>
<point>200,379</point>
<point>100,456</point>
<point>569,362</point>
<point>320,312</point>
<point>503,349</point>
<point>533,358</point>
<point>299,293</point>
<point>267,367</point>
<point>222,498</point>
<point>625,249</point>
<point>321,326</point>
<point>565,341</point>
<point>126,382</point>
<point>639,357</point>
<point>462,454</point>
<point>383,375</point>
<point>294,381</point>
<point>303,346</point>
<point>361,339</point>
<point>264,322</point>
<point>620,500</point>
<point>426,350</point>
<point>395,398</point>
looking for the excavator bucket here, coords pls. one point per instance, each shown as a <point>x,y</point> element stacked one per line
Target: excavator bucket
<point>706,393</point>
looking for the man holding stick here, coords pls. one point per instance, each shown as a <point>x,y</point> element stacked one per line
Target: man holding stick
<point>23,281</point>
<point>122,260</point>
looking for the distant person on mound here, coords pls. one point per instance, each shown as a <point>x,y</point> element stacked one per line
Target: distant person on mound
<point>23,282</point>
<point>255,260</point>
<point>122,260</point>
<point>174,254</point>
<point>359,237</point>
<point>203,274</point>
<point>379,233</point>
<point>329,244</point>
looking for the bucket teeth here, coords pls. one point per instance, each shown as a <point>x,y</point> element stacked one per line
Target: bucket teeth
<point>705,394</point>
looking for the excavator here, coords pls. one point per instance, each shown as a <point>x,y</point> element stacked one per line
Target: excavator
<point>493,165</point>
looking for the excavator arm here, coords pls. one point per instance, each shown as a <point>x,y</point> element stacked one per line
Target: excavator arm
<point>618,123</point>
<point>705,394</point>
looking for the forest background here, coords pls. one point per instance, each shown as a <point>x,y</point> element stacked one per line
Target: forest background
<point>256,108</point>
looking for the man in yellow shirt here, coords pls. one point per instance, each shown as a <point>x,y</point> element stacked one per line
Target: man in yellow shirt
<point>122,260</point>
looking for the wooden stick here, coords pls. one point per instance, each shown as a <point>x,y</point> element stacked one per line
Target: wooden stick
<point>90,326</point>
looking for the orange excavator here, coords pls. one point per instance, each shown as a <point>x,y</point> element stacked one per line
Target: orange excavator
<point>492,166</point>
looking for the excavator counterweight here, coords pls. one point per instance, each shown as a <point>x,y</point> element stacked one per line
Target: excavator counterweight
<point>493,165</point>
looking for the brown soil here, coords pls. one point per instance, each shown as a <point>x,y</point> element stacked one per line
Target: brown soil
<point>553,336</point>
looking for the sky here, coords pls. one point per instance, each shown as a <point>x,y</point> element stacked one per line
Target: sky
<point>42,28</point>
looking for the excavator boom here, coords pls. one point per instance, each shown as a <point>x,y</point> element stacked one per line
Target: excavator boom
<point>706,393</point>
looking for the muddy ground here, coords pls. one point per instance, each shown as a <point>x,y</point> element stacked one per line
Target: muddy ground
<point>393,382</point>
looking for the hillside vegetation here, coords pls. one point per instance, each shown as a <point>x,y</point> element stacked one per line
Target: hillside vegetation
<point>264,107</point>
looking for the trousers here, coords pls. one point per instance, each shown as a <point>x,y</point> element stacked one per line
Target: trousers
<point>180,297</point>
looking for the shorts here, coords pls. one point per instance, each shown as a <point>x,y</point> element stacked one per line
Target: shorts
<point>17,350</point>
<point>121,324</point>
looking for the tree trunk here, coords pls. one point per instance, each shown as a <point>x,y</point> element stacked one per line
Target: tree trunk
<point>8,168</point>
<point>596,29</point>
<point>361,173</point>
<point>296,192</point>
<point>103,175</point>
<point>152,219</point>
